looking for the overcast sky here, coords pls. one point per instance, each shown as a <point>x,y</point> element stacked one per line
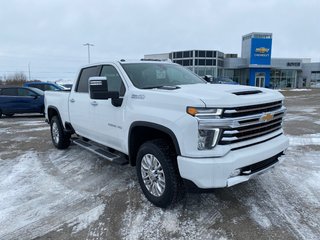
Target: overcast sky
<point>49,34</point>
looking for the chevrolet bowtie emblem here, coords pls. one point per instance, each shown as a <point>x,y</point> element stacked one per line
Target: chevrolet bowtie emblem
<point>262,50</point>
<point>266,117</point>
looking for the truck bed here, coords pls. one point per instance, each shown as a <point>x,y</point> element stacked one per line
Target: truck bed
<point>59,100</point>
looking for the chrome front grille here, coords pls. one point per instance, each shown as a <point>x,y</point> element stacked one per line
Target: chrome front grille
<point>251,110</point>
<point>250,122</point>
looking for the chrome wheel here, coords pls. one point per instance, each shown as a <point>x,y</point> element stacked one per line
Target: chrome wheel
<point>153,175</point>
<point>55,132</point>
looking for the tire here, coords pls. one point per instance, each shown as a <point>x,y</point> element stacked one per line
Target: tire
<point>158,173</point>
<point>9,114</point>
<point>60,139</point>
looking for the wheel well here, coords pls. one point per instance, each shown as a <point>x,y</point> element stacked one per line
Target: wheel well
<point>140,134</point>
<point>52,111</point>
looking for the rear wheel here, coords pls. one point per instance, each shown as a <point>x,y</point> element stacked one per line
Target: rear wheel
<point>60,139</point>
<point>157,173</point>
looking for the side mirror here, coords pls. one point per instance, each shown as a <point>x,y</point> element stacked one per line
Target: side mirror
<point>99,89</point>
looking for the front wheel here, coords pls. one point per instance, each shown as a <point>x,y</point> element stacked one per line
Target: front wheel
<point>60,139</point>
<point>157,173</point>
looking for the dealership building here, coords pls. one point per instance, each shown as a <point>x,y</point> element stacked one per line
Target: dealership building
<point>255,67</point>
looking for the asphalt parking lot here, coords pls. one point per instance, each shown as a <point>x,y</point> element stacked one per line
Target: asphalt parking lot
<point>47,193</point>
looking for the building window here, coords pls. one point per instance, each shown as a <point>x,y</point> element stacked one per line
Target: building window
<point>186,62</point>
<point>315,79</point>
<point>201,62</point>
<point>209,54</point>
<point>208,62</point>
<point>202,53</point>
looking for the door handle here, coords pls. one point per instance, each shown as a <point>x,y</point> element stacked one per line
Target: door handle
<point>94,103</point>
<point>72,100</point>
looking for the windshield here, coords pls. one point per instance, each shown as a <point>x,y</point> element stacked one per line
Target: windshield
<point>153,75</point>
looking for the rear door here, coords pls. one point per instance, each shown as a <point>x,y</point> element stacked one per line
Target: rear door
<point>80,104</point>
<point>29,101</point>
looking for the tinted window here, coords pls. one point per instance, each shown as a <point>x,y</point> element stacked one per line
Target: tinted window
<point>114,80</point>
<point>202,53</point>
<point>209,62</point>
<point>9,92</point>
<point>209,54</point>
<point>86,73</point>
<point>37,91</point>
<point>39,86</point>
<point>186,54</point>
<point>48,87</point>
<point>186,63</point>
<point>25,92</point>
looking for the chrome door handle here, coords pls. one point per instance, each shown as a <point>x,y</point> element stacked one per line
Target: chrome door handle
<point>94,103</point>
<point>72,100</point>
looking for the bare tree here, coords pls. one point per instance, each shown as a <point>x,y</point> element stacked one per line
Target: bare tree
<point>18,78</point>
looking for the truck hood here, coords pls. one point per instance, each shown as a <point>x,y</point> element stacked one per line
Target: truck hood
<point>222,95</point>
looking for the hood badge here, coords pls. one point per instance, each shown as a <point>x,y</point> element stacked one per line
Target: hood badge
<point>266,117</point>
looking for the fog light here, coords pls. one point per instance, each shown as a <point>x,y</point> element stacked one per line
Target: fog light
<point>235,173</point>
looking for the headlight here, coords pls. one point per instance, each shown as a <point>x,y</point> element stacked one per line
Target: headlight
<point>204,112</point>
<point>207,135</point>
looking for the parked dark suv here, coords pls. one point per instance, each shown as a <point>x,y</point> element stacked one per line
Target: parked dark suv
<point>20,100</point>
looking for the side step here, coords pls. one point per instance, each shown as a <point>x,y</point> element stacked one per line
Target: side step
<point>90,146</point>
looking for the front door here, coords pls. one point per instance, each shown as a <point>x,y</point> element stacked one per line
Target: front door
<point>260,81</point>
<point>109,119</point>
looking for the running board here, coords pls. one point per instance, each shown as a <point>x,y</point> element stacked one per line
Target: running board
<point>90,146</point>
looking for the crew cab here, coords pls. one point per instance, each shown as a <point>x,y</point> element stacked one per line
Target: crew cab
<point>174,127</point>
<point>20,100</point>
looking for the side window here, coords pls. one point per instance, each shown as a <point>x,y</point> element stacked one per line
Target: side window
<point>9,92</point>
<point>35,86</point>
<point>85,74</point>
<point>48,87</point>
<point>114,80</point>
<point>22,92</point>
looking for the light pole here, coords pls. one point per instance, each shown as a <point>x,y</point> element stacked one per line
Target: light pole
<point>29,71</point>
<point>88,45</point>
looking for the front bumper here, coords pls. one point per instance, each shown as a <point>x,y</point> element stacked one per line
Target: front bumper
<point>215,172</point>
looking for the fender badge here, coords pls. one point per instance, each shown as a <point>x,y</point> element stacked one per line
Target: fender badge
<point>136,96</point>
<point>266,117</point>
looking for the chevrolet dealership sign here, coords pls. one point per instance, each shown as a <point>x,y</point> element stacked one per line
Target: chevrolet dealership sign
<point>260,51</point>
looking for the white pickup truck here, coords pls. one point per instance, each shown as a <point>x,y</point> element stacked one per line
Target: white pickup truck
<point>177,129</point>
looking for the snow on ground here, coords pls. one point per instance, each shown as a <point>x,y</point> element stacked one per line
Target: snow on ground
<point>296,90</point>
<point>309,139</point>
<point>34,202</point>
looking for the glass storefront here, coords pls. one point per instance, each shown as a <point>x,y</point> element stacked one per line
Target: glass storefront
<point>315,79</point>
<point>240,76</point>
<point>283,78</point>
